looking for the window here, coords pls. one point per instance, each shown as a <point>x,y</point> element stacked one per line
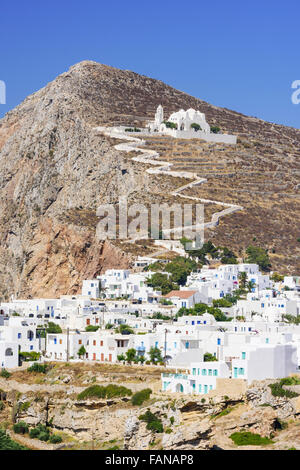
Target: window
<point>94,342</point>
<point>79,341</point>
<point>60,341</point>
<point>204,372</point>
<point>194,371</point>
<point>219,341</point>
<point>215,372</point>
<point>19,335</point>
<point>241,371</point>
<point>243,355</point>
<point>200,388</point>
<point>187,345</point>
<point>101,343</point>
<point>209,371</point>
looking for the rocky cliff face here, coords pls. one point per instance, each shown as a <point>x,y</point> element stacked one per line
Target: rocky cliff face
<point>188,423</point>
<point>55,169</point>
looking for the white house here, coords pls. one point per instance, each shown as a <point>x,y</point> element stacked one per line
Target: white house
<point>90,288</point>
<point>188,124</point>
<point>183,298</point>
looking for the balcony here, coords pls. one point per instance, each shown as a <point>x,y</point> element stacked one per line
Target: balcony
<point>176,376</point>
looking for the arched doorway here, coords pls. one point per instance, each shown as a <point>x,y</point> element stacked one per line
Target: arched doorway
<point>179,388</point>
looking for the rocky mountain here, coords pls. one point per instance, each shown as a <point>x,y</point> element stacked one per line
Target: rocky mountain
<point>55,169</point>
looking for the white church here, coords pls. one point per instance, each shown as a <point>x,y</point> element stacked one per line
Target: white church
<point>190,124</point>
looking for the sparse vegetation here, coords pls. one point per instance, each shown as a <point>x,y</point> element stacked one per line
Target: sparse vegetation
<point>277,389</point>
<point>21,427</point>
<point>153,422</point>
<point>5,374</point>
<point>139,397</point>
<point>38,368</point>
<point>108,391</point>
<point>246,438</point>
<point>6,443</point>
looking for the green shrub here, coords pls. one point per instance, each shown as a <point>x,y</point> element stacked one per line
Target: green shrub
<point>39,368</point>
<point>196,126</point>
<point>92,328</point>
<point>55,439</point>
<point>246,438</point>
<point>99,391</point>
<point>5,374</point>
<point>1,405</point>
<point>34,432</point>
<point>21,427</point>
<point>172,419</point>
<point>170,125</point>
<point>153,422</point>
<point>29,356</point>
<point>53,328</point>
<point>208,357</point>
<point>224,412</point>
<point>43,436</point>
<point>6,443</point>
<point>41,432</point>
<point>168,431</point>
<point>24,406</point>
<point>277,389</point>
<point>139,397</point>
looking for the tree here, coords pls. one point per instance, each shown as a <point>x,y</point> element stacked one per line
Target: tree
<point>170,125</point>
<point>162,282</point>
<point>121,357</point>
<point>180,268</point>
<point>130,355</point>
<point>277,277</point>
<point>141,359</point>
<point>124,330</point>
<point>196,126</point>
<point>250,286</point>
<point>215,129</point>
<point>155,355</point>
<point>258,255</point>
<point>227,256</point>
<point>208,357</point>
<point>53,328</point>
<point>243,279</point>
<point>92,328</point>
<point>81,351</point>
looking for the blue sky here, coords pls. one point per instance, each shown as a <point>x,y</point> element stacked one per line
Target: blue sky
<point>240,55</point>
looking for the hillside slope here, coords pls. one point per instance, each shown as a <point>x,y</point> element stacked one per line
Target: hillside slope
<point>55,170</point>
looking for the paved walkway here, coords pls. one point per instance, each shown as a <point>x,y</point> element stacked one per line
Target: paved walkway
<point>163,168</point>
